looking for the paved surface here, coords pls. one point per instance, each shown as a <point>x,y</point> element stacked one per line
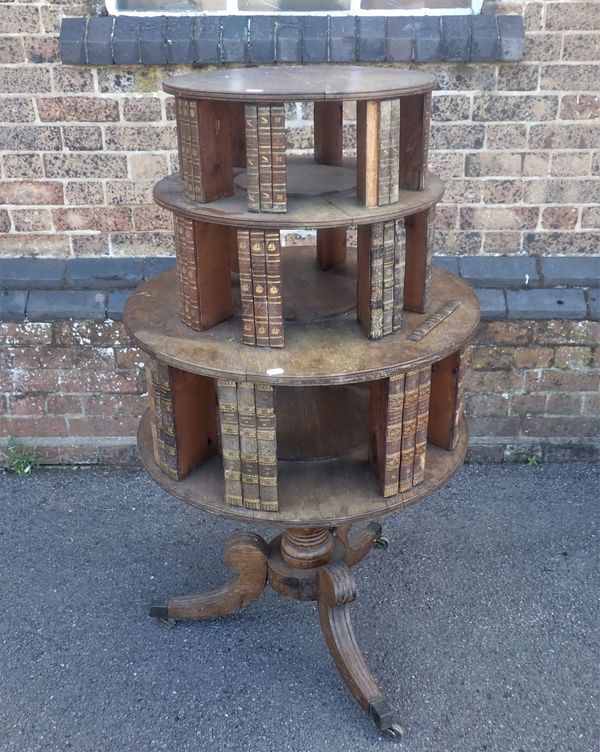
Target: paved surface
<point>481,622</point>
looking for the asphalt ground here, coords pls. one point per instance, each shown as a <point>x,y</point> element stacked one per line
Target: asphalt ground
<point>480,622</point>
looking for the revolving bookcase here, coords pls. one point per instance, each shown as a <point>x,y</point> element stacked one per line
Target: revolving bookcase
<point>309,387</point>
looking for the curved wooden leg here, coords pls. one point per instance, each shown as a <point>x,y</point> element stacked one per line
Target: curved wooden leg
<point>358,544</point>
<point>337,589</point>
<point>246,554</point>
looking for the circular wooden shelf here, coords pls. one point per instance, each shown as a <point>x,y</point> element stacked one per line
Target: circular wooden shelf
<point>288,83</point>
<point>318,493</point>
<point>330,351</point>
<point>339,209</point>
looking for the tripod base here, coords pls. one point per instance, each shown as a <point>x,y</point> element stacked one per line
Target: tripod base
<point>301,564</point>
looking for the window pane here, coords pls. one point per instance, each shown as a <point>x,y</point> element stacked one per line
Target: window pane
<point>412,4</point>
<point>172,5</point>
<point>293,5</point>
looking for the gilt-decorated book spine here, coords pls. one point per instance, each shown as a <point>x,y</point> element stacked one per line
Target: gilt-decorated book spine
<point>385,156</point>
<point>399,264</point>
<point>194,165</point>
<point>427,101</point>
<point>409,428</point>
<point>267,447</point>
<point>253,188</point>
<point>393,434</point>
<point>463,363</point>
<point>274,299</point>
<point>185,134</point>
<point>265,159</point>
<point>230,441</point>
<point>248,445</point>
<point>187,271</point>
<point>394,149</point>
<point>180,139</point>
<point>422,420</point>
<point>165,450</point>
<point>258,263</point>
<point>246,292</point>
<point>278,171</point>
<point>429,258</point>
<point>388,276</point>
<point>376,278</point>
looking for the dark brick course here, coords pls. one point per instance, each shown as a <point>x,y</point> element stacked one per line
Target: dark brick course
<point>121,40</point>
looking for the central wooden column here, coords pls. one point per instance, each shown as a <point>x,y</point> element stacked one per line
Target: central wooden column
<point>307,547</point>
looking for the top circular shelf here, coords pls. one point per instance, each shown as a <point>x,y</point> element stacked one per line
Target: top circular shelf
<point>300,83</point>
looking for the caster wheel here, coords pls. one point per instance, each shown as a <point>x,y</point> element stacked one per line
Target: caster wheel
<point>382,542</point>
<point>166,623</point>
<point>395,732</point>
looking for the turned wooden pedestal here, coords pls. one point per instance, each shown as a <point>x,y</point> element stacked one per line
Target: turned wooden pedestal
<point>302,564</point>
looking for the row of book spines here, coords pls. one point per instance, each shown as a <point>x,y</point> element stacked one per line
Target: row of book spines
<point>187,271</point>
<point>406,430</point>
<point>249,444</point>
<point>387,263</point>
<point>265,158</point>
<point>189,146</point>
<point>389,156</point>
<point>259,260</point>
<point>164,439</point>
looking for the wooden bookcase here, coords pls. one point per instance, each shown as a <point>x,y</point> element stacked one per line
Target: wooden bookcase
<point>313,387</point>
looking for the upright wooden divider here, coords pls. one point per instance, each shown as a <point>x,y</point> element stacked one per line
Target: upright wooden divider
<point>204,132</point>
<point>183,407</point>
<point>415,119</point>
<point>331,246</point>
<point>367,151</point>
<point>420,235</point>
<point>238,134</point>
<point>204,272</point>
<point>328,132</point>
<point>447,399</point>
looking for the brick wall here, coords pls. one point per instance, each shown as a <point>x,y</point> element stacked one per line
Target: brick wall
<point>81,147</point>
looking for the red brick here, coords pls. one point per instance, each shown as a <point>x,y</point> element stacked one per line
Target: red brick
<point>140,137</point>
<point>486,405</point>
<point>99,426</point>
<point>115,405</point>
<point>141,108</point>
<point>560,217</point>
<point>91,244</point>
<point>84,192</point>
<point>129,191</point>
<point>76,382</point>
<point>502,242</point>
<point>543,47</point>
<point>4,221</point>
<point>31,192</point>
<point>20,19</point>
<point>85,165</point>
<point>26,244</point>
<point>591,404</point>
<point>590,217</point>
<point>505,136</point>
<point>23,166</point>
<point>572,357</point>
<point>565,332</point>
<point>542,425</point>
<point>564,135</point>
<point>77,109</point>
<point>82,138</point>
<point>16,110</point>
<point>533,357</point>
<point>27,404</point>
<point>528,108</point>
<point>579,107</point>
<point>560,403</point>
<point>502,191</point>
<point>554,380</point>
<point>494,426</point>
<point>506,218</point>
<point>105,219</point>
<point>36,426</point>
<point>129,357</point>
<point>71,79</point>
<point>583,15</point>
<point>61,404</point>
<point>148,166</point>
<point>522,77</point>
<point>11,51</point>
<point>24,80</point>
<point>90,334</point>
<point>31,220</point>
<point>42,49</point>
<point>528,404</point>
<point>582,47</point>
<point>155,218</point>
<point>25,334</point>
<point>571,164</point>
<point>495,382</point>
<point>492,358</point>
<point>535,164</point>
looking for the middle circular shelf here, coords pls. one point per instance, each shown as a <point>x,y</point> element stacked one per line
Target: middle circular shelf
<point>331,350</point>
<point>334,209</point>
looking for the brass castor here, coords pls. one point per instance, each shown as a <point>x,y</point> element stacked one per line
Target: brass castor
<point>382,542</point>
<point>394,733</point>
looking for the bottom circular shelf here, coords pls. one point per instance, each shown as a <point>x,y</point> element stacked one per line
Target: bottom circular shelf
<point>316,493</point>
